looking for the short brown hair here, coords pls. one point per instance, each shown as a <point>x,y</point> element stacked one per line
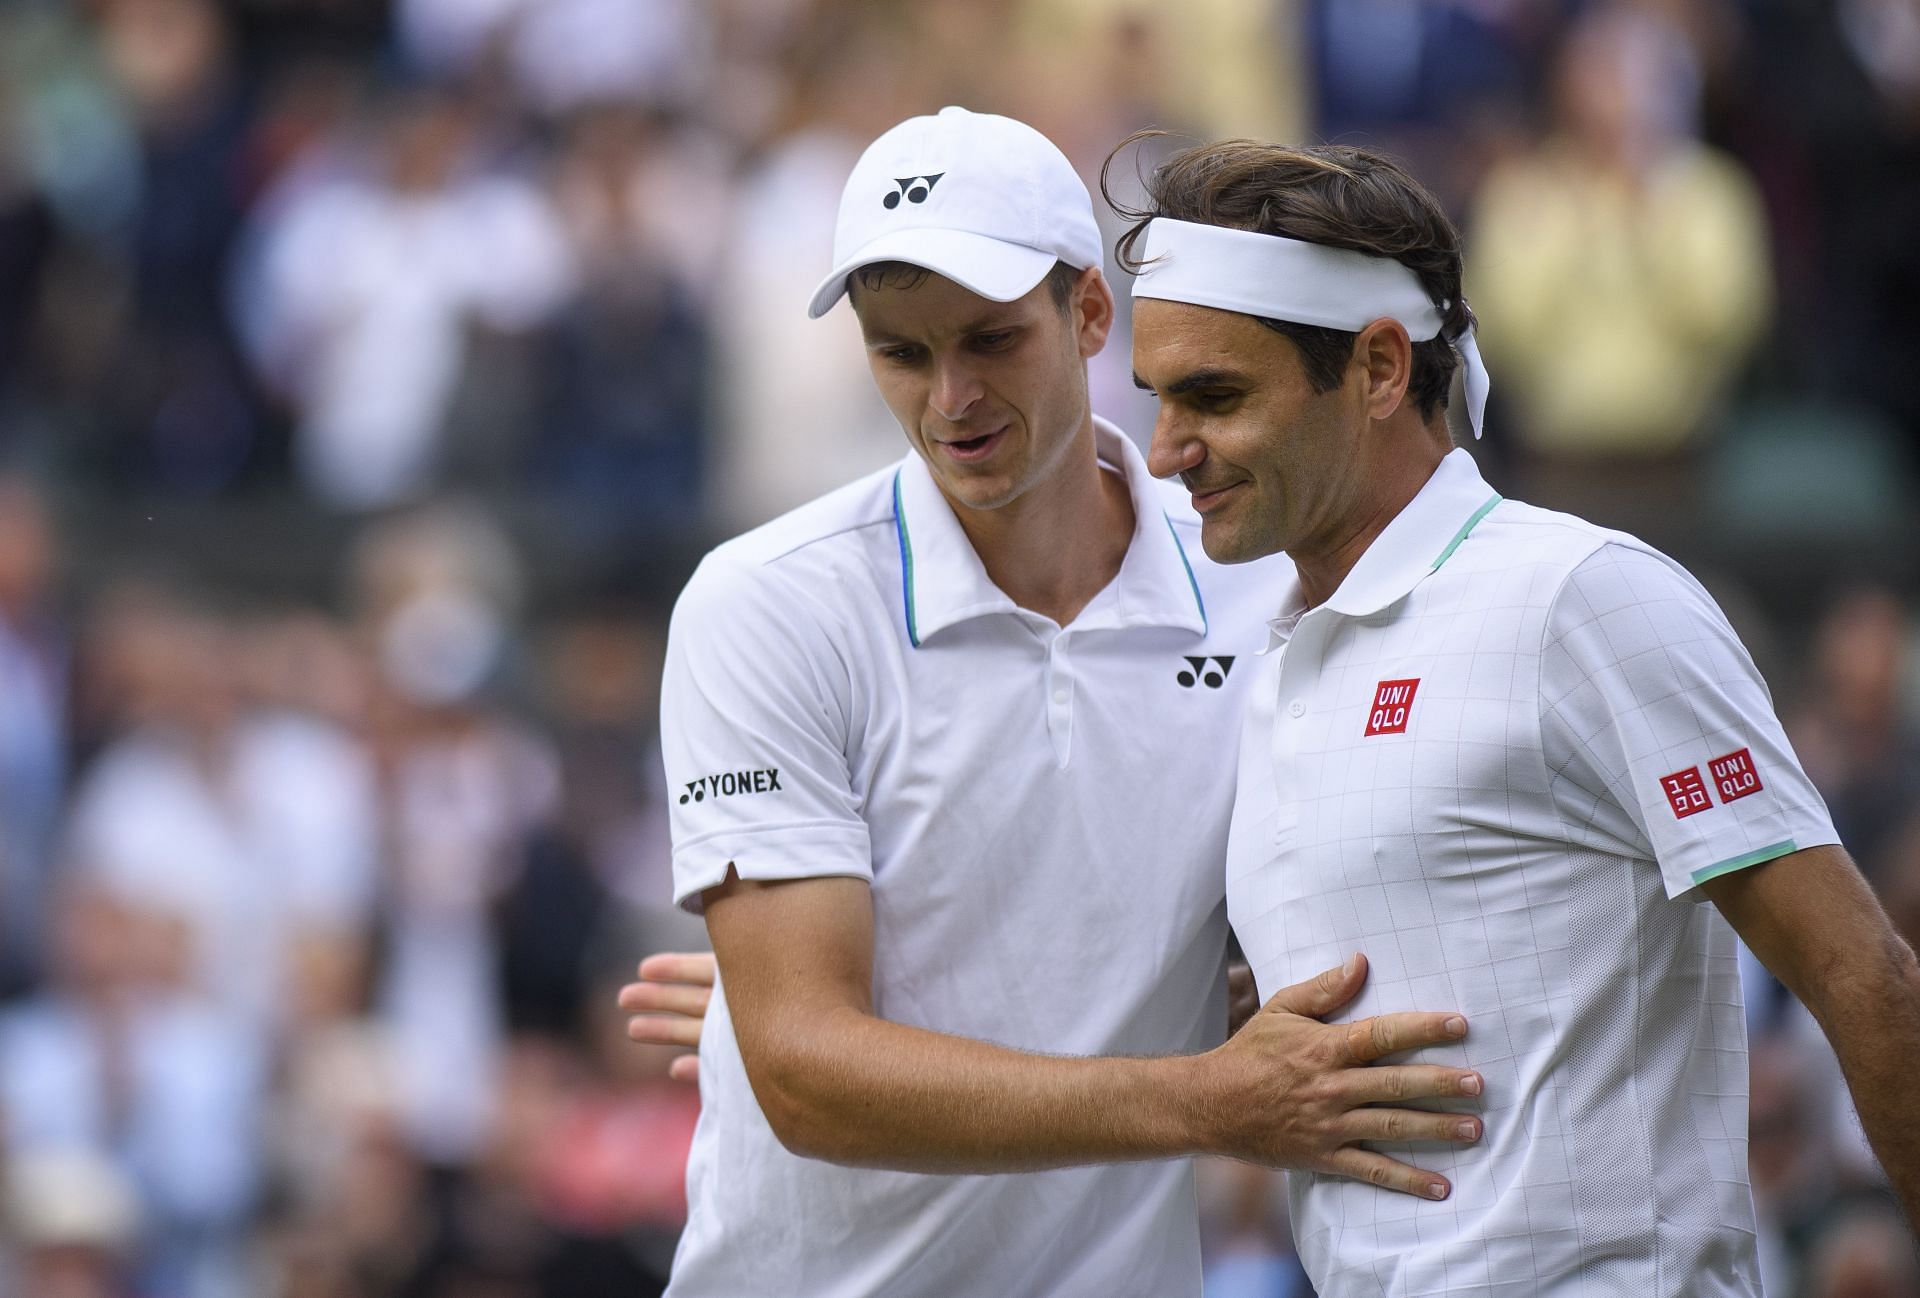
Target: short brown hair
<point>904,274</point>
<point>1334,194</point>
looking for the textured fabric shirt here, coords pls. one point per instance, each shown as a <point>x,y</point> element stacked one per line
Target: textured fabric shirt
<point>1499,760</point>
<point>1041,814</point>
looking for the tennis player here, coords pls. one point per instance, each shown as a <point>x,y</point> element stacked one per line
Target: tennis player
<point>1520,759</point>
<point>951,753</point>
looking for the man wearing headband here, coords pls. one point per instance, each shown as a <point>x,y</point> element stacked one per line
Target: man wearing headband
<point>951,752</point>
<point>1506,751</point>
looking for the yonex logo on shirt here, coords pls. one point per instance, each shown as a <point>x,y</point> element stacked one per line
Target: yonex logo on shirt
<point>727,783</point>
<point>1200,672</point>
<point>914,188</point>
<point>1392,703</point>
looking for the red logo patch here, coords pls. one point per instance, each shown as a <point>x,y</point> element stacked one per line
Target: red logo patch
<point>1686,792</point>
<point>1392,700</point>
<point>1735,775</point>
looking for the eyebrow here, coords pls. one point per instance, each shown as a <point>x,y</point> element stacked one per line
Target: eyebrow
<point>992,323</point>
<point>1197,379</point>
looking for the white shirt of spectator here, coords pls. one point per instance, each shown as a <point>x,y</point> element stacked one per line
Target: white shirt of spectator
<point>1499,760</point>
<point>1041,812</point>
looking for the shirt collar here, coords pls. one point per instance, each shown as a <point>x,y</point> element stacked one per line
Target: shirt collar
<point>942,580</point>
<point>1420,538</point>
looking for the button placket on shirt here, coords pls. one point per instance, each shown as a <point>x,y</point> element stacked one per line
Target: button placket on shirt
<point>1298,665</point>
<point>1060,686</point>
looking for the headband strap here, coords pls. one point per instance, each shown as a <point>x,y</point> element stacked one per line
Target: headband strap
<point>1278,278</point>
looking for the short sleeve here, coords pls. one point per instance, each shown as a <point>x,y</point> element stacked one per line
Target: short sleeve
<point>754,713</point>
<point>1658,731</point>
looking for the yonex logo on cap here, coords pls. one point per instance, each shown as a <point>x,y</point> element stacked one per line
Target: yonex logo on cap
<point>727,783</point>
<point>1197,672</point>
<point>913,188</point>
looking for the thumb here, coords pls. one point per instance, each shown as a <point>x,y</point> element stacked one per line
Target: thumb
<point>1323,993</point>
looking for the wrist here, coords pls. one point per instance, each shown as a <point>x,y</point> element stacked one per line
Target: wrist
<point>1193,1105</point>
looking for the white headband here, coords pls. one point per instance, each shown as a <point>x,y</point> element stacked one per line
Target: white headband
<point>1306,283</point>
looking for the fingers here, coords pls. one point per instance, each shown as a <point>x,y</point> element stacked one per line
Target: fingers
<point>1401,1083</point>
<point>662,1030</point>
<point>1378,1169</point>
<point>1323,993</point>
<point>665,998</point>
<point>1243,1000</point>
<point>1387,1034</point>
<point>685,1069</point>
<point>691,967</point>
<point>1412,1124</point>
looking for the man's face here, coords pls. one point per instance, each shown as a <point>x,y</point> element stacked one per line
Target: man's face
<point>991,394</point>
<point>1272,464</point>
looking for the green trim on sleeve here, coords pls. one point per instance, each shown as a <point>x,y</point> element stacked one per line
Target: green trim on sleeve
<point>1465,527</point>
<point>1754,857</point>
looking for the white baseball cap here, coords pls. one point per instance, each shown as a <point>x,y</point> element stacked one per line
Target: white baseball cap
<point>986,201</point>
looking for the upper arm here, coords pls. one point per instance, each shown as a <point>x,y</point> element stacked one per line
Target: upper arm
<point>1659,733</point>
<point>755,732</point>
<point>792,955</point>
<point>1808,916</point>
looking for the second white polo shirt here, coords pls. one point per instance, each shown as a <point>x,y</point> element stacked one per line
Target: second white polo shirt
<point>1041,812</point>
<point>1499,760</point>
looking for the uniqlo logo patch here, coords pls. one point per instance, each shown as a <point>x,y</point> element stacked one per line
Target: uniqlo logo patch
<point>1392,701</point>
<point>1735,775</point>
<point>1686,792</point>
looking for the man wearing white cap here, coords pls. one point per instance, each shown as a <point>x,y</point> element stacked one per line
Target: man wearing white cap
<point>951,753</point>
<point>1509,753</point>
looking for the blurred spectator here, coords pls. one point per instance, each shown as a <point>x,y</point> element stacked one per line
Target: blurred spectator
<point>119,1058</point>
<point>1867,1253</point>
<point>369,283</point>
<point>798,413</point>
<point>1248,1243</point>
<point>464,786</point>
<point>184,417</point>
<point>1620,272</point>
<point>1855,727</point>
<point>253,829</point>
<point>73,1220</point>
<point>33,723</point>
<point>624,416</point>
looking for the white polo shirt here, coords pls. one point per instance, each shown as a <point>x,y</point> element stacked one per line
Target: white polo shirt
<point>1041,812</point>
<point>1499,760</point>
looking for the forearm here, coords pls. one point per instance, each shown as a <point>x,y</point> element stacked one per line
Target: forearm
<point>859,1090</point>
<point>1869,1006</point>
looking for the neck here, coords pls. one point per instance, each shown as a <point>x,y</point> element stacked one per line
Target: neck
<point>1057,546</point>
<point>1391,480</point>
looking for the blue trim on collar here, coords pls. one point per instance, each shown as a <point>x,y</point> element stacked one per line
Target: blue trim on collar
<point>906,562</point>
<point>1199,603</point>
<point>1465,528</point>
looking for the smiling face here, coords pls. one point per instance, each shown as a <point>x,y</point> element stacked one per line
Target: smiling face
<point>1272,464</point>
<point>991,394</point>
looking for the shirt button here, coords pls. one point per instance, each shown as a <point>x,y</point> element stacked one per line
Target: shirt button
<point>1060,697</point>
<point>1297,708</point>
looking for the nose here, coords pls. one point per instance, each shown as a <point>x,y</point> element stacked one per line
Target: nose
<point>1172,451</point>
<point>955,389</point>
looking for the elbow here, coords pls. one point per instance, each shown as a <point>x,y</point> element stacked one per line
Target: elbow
<point>795,1097</point>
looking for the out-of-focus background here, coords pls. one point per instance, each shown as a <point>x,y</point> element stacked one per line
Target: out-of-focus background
<point>373,371</point>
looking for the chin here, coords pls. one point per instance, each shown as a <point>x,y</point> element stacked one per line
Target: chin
<point>1227,544</point>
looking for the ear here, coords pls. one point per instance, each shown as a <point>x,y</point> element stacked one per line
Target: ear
<point>1091,307</point>
<point>1385,355</point>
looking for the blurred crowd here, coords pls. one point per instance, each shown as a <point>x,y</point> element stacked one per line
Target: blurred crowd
<point>371,371</point>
